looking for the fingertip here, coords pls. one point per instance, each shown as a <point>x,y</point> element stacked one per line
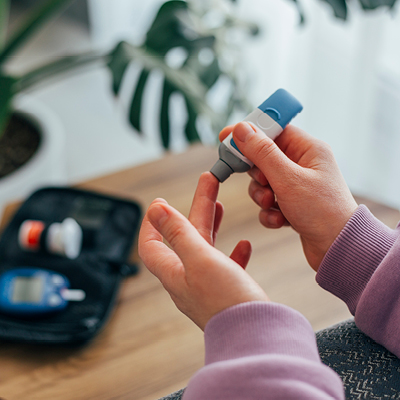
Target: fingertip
<point>246,245</point>
<point>263,196</point>
<point>208,186</point>
<point>208,177</point>
<point>242,131</point>
<point>241,253</point>
<point>273,219</point>
<point>245,125</point>
<point>158,200</point>
<point>225,132</point>
<point>157,213</point>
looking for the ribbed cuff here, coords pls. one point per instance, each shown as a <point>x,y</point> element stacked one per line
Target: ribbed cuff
<point>256,328</point>
<point>354,256</point>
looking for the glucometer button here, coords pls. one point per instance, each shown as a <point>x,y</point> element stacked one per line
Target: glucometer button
<point>54,300</point>
<point>57,280</point>
<point>264,121</point>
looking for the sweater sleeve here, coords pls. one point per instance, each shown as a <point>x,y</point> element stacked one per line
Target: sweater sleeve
<point>261,350</point>
<point>362,268</point>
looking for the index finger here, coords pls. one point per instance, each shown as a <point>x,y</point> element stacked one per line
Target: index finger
<point>225,132</point>
<point>203,211</point>
<point>182,236</point>
<point>158,258</point>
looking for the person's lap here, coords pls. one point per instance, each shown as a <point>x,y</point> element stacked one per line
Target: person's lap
<point>367,369</point>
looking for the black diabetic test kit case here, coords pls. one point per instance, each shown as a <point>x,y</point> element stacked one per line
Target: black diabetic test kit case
<point>109,227</point>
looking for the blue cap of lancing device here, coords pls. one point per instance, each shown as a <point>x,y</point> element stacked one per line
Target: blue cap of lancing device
<point>282,107</point>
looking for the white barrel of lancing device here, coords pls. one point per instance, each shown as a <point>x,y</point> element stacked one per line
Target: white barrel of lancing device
<point>63,238</point>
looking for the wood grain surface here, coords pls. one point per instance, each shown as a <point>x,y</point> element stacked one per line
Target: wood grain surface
<point>148,349</point>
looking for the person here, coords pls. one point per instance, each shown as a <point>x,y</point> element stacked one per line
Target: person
<point>255,348</point>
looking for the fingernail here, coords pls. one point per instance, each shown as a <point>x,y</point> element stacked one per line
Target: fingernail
<point>157,215</point>
<point>258,196</point>
<point>272,220</point>
<point>242,131</point>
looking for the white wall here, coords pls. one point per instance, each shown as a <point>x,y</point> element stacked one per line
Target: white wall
<point>347,76</point>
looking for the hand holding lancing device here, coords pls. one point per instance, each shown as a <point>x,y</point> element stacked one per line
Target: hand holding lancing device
<point>296,181</point>
<point>201,280</point>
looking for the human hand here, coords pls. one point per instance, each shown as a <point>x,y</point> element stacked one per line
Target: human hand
<point>296,182</point>
<point>200,279</point>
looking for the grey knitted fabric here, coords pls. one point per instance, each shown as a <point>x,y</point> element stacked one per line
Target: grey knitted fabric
<point>367,369</point>
<point>174,396</point>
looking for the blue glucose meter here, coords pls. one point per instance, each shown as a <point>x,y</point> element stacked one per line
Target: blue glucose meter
<point>30,291</point>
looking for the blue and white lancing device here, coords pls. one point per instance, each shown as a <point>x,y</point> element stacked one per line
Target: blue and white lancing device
<point>27,292</point>
<point>271,117</point>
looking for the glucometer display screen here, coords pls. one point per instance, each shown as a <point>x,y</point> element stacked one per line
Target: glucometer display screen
<point>27,289</point>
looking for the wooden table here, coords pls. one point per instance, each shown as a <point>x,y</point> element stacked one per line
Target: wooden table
<point>148,349</point>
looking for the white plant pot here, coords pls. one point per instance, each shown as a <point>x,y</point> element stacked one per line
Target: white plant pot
<point>47,166</point>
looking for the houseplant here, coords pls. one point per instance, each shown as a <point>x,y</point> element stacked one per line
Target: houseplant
<point>340,7</point>
<point>178,24</point>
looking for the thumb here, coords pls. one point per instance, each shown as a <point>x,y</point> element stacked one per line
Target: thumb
<point>263,152</point>
<point>183,237</point>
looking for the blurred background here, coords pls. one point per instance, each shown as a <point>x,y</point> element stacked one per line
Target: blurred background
<point>346,73</point>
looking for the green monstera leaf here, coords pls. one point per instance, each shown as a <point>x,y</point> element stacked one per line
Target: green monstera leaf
<point>183,81</point>
<point>340,8</point>
<point>171,29</point>
<point>9,84</point>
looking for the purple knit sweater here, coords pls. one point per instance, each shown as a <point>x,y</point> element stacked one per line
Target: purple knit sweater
<point>260,350</point>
